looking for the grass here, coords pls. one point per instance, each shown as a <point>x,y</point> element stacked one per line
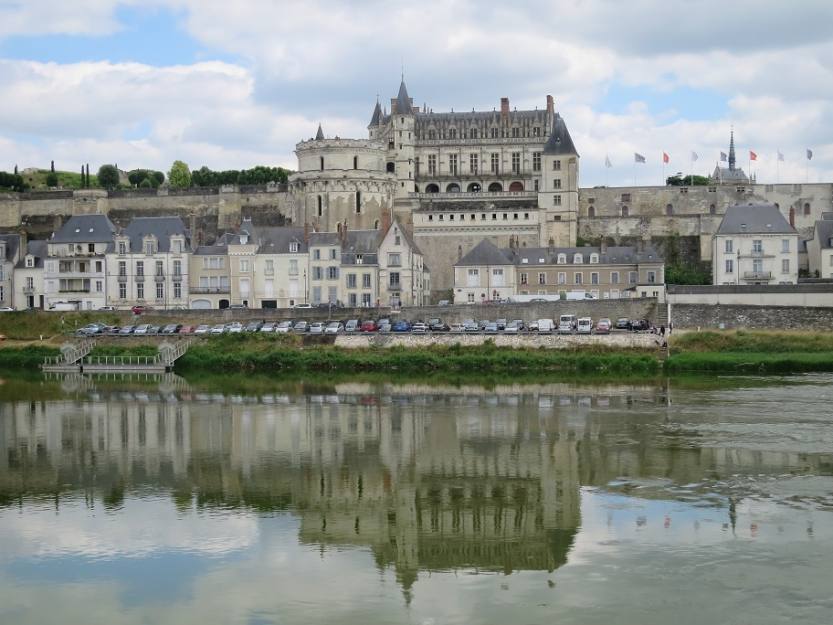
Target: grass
<point>66,179</point>
<point>758,341</point>
<point>31,325</point>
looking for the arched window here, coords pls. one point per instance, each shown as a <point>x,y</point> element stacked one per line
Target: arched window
<point>355,162</point>
<point>562,259</point>
<point>712,209</point>
<point>806,208</point>
<point>495,187</point>
<point>376,225</point>
<point>432,188</point>
<point>453,188</point>
<point>474,187</point>
<point>591,211</point>
<point>669,209</point>
<point>320,206</point>
<point>578,258</point>
<point>516,186</point>
<point>625,211</point>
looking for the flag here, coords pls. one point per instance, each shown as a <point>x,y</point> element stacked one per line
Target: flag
<point>723,157</point>
<point>665,157</point>
<point>694,156</point>
<point>608,164</point>
<point>638,158</point>
<point>752,156</point>
<point>809,154</point>
<point>780,156</point>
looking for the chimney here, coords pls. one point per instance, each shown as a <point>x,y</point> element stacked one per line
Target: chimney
<point>386,221</point>
<point>343,231</point>
<point>550,105</point>
<point>504,107</point>
<point>306,232</point>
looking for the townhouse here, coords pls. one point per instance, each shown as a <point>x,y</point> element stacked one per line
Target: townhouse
<point>28,277</point>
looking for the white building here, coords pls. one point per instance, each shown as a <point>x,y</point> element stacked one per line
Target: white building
<point>148,264</point>
<point>28,277</point>
<point>820,248</point>
<point>9,254</point>
<point>403,276</point>
<point>74,272</point>
<point>754,244</point>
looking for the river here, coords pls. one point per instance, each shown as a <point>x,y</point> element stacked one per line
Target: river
<point>253,501</point>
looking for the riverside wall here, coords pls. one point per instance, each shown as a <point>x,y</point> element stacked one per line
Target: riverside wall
<point>531,341</point>
<point>740,317</point>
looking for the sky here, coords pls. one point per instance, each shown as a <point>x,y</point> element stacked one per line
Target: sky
<point>238,84</point>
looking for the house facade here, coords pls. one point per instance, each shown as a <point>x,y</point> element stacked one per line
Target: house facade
<point>820,248</point>
<point>755,244</point>
<point>9,255</point>
<point>28,277</point>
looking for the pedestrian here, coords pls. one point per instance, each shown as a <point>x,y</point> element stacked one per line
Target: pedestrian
<point>662,331</point>
<point>670,327</point>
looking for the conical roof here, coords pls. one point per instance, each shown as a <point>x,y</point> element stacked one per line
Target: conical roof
<point>376,119</point>
<point>560,141</point>
<point>403,101</point>
<point>319,136</point>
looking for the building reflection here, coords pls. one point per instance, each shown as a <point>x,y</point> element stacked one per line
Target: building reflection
<point>427,479</point>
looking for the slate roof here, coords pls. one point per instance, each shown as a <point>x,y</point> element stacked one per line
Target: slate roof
<point>625,255</point>
<point>320,134</point>
<point>824,233</point>
<point>754,219</point>
<point>403,101</point>
<point>377,115</point>
<point>484,253</point>
<point>324,238</point>
<point>36,248</point>
<point>12,243</point>
<point>85,229</point>
<point>724,174</point>
<point>560,141</point>
<point>211,250</point>
<point>160,227</point>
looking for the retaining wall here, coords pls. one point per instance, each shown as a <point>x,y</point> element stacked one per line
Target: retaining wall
<point>531,341</point>
<point>694,316</point>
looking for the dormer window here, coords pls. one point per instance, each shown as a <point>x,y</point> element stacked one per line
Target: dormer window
<point>176,245</point>
<point>149,247</point>
<point>578,259</point>
<point>293,247</point>
<point>562,259</point>
<point>30,261</point>
<point>122,247</point>
<point>594,259</point>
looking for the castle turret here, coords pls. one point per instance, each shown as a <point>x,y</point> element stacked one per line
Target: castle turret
<point>401,141</point>
<point>558,191</point>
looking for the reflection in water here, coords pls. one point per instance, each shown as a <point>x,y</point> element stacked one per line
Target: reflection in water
<point>427,479</point>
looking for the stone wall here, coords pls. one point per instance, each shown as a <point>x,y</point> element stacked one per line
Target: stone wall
<point>631,340</point>
<point>816,294</point>
<point>707,316</point>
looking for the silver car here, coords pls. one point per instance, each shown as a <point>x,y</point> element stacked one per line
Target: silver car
<point>267,327</point>
<point>316,327</point>
<point>300,327</point>
<point>218,329</point>
<point>283,327</point>
<point>202,329</point>
<point>334,327</point>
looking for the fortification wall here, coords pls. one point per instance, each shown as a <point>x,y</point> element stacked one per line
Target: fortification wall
<point>731,317</point>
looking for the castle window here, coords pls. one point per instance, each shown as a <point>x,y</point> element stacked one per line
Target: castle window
<point>358,202</point>
<point>562,259</point>
<point>625,211</point>
<point>473,133</point>
<point>594,259</point>
<point>515,133</point>
<point>494,133</point>
<point>473,163</point>
<point>495,160</point>
<point>536,132</point>
<point>482,216</point>
<point>516,162</point>
<point>712,209</point>
<point>578,258</point>
<point>591,211</point>
<point>430,218</point>
<point>806,208</point>
<point>452,133</point>
<point>669,209</point>
<point>321,159</point>
<point>526,216</point>
<point>556,200</point>
<point>536,161</point>
<point>432,164</point>
<point>320,206</point>
<point>626,197</point>
<point>452,164</point>
<point>432,134</point>
<point>391,167</point>
<point>556,183</point>
<point>355,162</point>
<point>556,165</point>
<point>451,217</point>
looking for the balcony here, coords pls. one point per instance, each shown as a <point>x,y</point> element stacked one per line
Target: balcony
<point>159,277</point>
<point>122,277</point>
<point>757,275</point>
<point>208,290</point>
<point>476,195</point>
<point>28,290</point>
<point>177,277</point>
<point>754,254</point>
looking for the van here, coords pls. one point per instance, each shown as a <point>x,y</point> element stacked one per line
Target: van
<point>546,326</point>
<point>585,326</point>
<point>566,324</point>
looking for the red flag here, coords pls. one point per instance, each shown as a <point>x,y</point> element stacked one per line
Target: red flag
<point>665,157</point>
<point>752,156</point>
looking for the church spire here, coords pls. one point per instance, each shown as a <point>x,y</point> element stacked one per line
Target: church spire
<point>403,101</point>
<point>732,149</point>
<point>319,136</point>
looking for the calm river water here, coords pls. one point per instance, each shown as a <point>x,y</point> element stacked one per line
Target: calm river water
<point>173,502</point>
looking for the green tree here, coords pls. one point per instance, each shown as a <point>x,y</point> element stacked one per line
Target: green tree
<point>52,179</point>
<point>157,178</point>
<point>180,176</point>
<point>108,176</point>
<point>146,184</point>
<point>687,181</point>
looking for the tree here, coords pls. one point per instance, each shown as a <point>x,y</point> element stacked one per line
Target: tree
<point>52,179</point>
<point>180,176</point>
<point>158,178</point>
<point>52,167</point>
<point>687,181</point>
<point>83,181</point>
<point>146,184</point>
<point>108,176</point>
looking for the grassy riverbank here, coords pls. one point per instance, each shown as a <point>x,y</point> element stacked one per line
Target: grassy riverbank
<point>707,352</point>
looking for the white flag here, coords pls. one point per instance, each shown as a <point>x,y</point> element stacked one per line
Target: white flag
<point>723,157</point>
<point>608,164</point>
<point>780,156</point>
<point>638,158</point>
<point>694,156</point>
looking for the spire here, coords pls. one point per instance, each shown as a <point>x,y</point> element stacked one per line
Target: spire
<point>403,101</point>
<point>319,136</point>
<point>376,119</point>
<point>732,149</point>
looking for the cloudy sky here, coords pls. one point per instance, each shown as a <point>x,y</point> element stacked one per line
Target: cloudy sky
<point>236,84</point>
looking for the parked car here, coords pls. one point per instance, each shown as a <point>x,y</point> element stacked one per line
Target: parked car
<point>202,329</point>
<point>269,326</point>
<point>437,325</point>
<point>401,326</point>
<point>238,307</point>
<point>368,326</point>
<point>512,328</point>
<point>584,325</point>
<point>419,328</point>
<point>640,325</point>
<point>138,310</point>
<point>186,330</point>
<point>491,327</point>
<point>91,329</point>
<point>351,326</point>
<point>546,326</point>
<point>154,329</point>
<point>444,302</point>
<point>302,306</point>
<point>470,326</point>
<point>501,324</point>
<point>220,328</point>
<point>603,326</point>
<point>566,324</point>
<point>457,328</point>
<point>316,327</point>
<point>300,327</point>
<point>141,329</point>
<point>107,308</point>
<point>112,330</point>
<point>483,323</point>
<point>234,328</point>
<point>252,326</point>
<point>384,327</point>
<point>334,327</point>
<point>623,324</point>
<point>125,330</point>
<point>532,326</point>
<point>171,328</point>
<point>283,327</point>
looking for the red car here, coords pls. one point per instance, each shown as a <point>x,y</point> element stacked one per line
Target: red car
<point>368,326</point>
<point>187,329</point>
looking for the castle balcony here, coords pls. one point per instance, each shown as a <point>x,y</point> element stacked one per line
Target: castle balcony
<point>208,290</point>
<point>28,290</point>
<point>159,277</point>
<point>520,141</point>
<point>464,174</point>
<point>479,195</point>
<point>122,277</point>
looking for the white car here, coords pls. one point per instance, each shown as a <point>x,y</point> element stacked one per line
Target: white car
<point>283,327</point>
<point>316,327</point>
<point>546,326</point>
<point>585,325</point>
<point>218,329</point>
<point>419,328</point>
<point>566,324</point>
<point>202,329</point>
<point>142,329</point>
<point>267,327</point>
<point>234,328</point>
<point>334,327</point>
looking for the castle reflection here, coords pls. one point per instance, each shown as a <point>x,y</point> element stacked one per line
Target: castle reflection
<point>426,478</point>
